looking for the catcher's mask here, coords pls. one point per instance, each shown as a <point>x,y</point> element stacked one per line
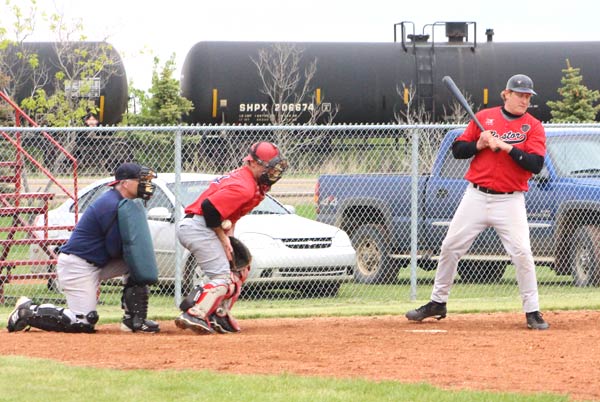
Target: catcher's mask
<point>130,170</point>
<point>268,156</point>
<point>146,188</point>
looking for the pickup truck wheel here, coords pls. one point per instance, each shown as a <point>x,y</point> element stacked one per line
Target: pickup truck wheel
<point>373,264</point>
<point>481,271</point>
<point>586,256</point>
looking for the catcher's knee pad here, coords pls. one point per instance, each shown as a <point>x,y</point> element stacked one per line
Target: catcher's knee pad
<point>51,318</point>
<point>190,300</point>
<point>209,300</point>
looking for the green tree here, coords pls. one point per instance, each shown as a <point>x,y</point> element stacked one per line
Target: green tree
<point>577,104</point>
<point>163,104</point>
<point>57,89</point>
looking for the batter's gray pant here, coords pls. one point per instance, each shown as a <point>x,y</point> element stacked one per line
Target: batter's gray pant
<point>477,211</point>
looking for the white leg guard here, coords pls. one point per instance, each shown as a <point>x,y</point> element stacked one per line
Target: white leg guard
<point>196,317</point>
<point>221,320</point>
<point>209,300</point>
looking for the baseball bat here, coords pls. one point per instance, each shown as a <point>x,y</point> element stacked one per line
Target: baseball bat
<point>447,80</point>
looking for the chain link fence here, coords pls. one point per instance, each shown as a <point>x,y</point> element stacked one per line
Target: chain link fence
<point>358,218</point>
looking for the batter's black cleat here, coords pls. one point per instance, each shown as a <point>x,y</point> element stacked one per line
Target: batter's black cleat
<point>535,321</point>
<point>144,326</point>
<point>196,324</point>
<point>431,309</point>
<point>17,319</point>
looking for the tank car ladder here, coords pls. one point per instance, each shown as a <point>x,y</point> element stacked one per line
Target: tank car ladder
<point>18,208</point>
<point>424,53</point>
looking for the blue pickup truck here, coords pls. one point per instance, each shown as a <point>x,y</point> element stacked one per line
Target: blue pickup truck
<point>563,204</point>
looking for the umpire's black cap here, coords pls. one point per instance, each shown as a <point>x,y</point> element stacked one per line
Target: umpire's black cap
<point>126,171</point>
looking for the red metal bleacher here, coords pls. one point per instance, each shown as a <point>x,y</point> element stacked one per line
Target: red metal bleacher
<point>17,208</point>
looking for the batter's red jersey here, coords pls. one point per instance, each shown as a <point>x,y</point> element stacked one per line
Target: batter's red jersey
<point>497,170</point>
<point>233,195</point>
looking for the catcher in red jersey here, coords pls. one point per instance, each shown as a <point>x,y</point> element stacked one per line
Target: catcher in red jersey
<point>205,231</point>
<point>505,155</point>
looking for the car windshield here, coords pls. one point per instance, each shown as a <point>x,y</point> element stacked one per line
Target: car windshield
<point>190,190</point>
<point>576,155</point>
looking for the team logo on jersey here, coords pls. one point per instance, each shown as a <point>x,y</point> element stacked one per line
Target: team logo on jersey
<point>218,180</point>
<point>489,122</point>
<point>511,137</point>
<point>525,128</point>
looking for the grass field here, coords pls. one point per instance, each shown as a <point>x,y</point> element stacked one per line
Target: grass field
<point>58,382</point>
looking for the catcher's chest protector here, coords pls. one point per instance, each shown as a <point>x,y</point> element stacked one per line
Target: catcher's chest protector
<point>138,250</point>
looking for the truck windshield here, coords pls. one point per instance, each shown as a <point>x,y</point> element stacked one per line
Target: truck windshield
<point>575,155</point>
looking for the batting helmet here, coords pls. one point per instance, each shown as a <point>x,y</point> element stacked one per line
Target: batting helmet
<point>520,83</point>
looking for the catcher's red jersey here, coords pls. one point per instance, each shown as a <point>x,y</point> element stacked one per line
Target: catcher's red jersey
<point>233,195</point>
<point>497,170</point>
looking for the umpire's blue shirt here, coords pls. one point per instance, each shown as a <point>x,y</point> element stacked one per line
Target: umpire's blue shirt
<point>96,237</point>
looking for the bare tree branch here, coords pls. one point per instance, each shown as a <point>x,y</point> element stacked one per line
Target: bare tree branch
<point>290,93</point>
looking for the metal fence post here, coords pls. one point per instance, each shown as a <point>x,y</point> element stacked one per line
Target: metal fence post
<point>414,205</point>
<point>178,247</point>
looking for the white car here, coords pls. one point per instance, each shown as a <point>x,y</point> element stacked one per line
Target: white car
<point>288,251</point>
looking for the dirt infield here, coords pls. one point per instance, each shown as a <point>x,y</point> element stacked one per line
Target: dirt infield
<point>474,351</point>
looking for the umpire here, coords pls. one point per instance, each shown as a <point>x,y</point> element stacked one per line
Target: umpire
<point>94,253</point>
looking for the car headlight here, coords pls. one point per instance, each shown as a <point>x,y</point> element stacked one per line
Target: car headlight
<point>341,239</point>
<point>255,241</point>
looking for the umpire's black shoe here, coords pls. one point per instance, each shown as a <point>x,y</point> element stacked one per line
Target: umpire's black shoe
<point>17,319</point>
<point>431,309</point>
<point>535,321</point>
<point>145,326</point>
<point>196,324</point>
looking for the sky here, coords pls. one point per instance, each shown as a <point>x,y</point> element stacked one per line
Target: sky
<point>140,30</point>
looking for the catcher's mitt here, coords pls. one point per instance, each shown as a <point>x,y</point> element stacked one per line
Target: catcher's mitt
<point>241,255</point>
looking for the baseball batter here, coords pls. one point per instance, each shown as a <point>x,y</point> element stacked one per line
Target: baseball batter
<point>93,253</point>
<point>205,231</point>
<point>511,148</point>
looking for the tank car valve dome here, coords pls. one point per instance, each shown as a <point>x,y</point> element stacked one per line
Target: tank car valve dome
<point>520,83</point>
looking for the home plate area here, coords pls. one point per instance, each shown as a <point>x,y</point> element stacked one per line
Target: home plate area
<point>492,351</point>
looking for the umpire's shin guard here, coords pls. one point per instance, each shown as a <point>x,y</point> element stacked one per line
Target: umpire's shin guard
<point>135,304</point>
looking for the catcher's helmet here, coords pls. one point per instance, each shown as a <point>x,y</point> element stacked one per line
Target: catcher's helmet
<point>268,155</point>
<point>520,83</point>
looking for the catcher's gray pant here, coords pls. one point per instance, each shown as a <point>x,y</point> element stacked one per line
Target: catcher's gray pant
<point>79,281</point>
<point>477,211</point>
<point>206,247</point>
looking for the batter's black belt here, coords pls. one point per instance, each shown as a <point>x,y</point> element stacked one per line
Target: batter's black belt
<point>489,190</point>
<point>189,216</point>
